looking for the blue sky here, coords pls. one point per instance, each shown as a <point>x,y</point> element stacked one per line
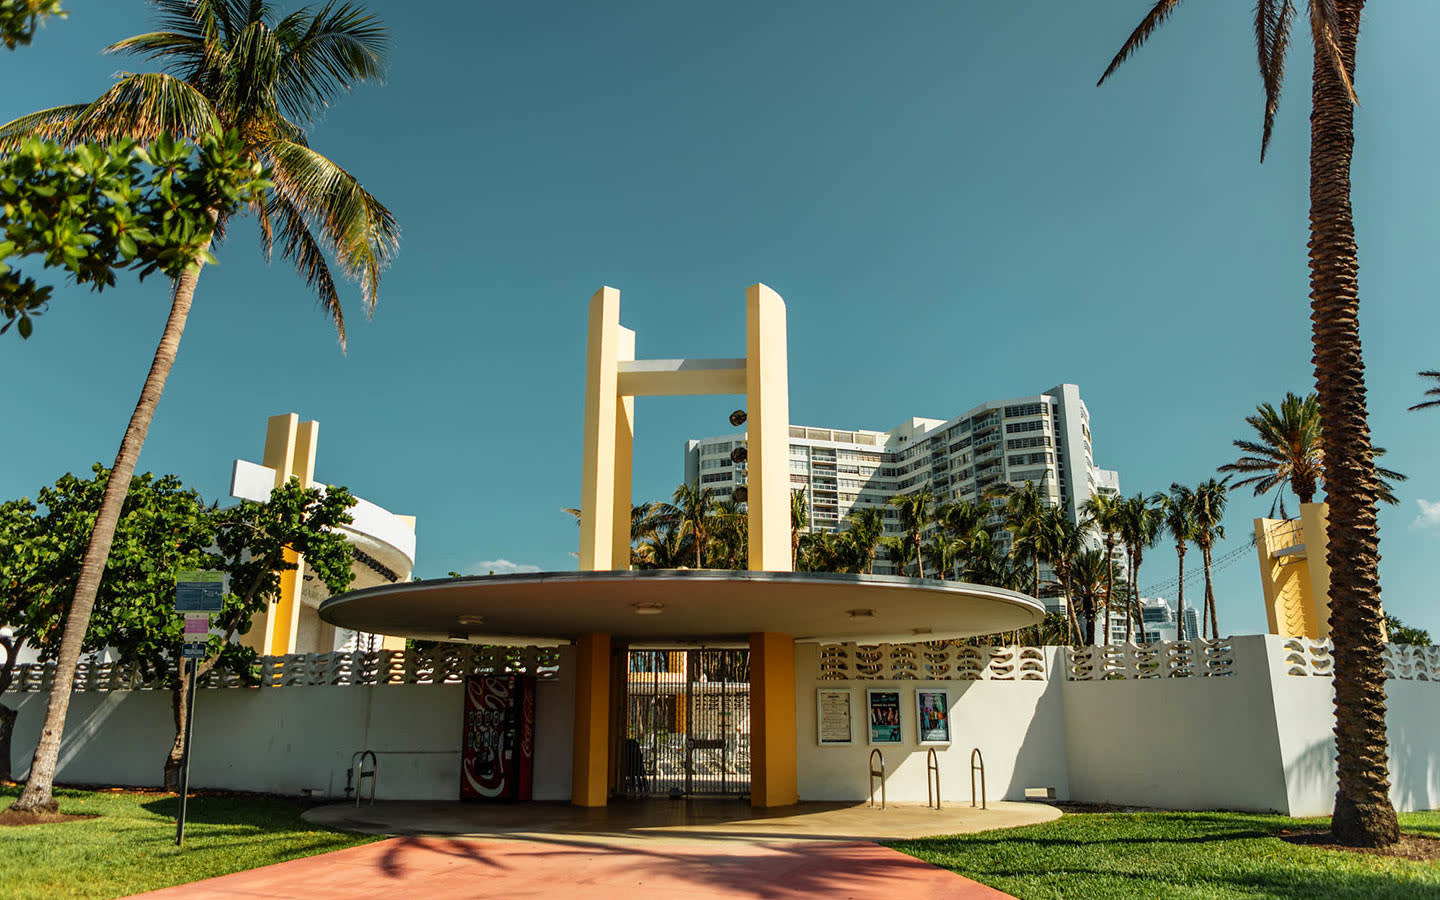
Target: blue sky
<point>951,209</point>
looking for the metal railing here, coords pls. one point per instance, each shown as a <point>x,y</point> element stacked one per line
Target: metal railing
<point>932,779</point>
<point>359,773</point>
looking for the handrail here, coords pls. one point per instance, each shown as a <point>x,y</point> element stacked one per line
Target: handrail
<point>932,769</point>
<point>877,773</point>
<point>361,773</point>
<point>977,763</point>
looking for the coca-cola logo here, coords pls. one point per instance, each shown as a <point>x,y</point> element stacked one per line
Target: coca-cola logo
<point>485,762</point>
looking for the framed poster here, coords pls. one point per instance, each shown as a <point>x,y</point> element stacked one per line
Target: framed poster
<point>932,715</point>
<point>834,716</point>
<point>884,708</point>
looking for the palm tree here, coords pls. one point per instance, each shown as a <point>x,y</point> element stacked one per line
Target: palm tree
<point>1289,453</point>
<point>799,521</point>
<point>1363,813</point>
<point>1103,512</point>
<point>943,551</point>
<point>691,511</point>
<point>1059,541</point>
<point>1177,516</point>
<point>866,529</point>
<point>1139,529</point>
<point>914,519</point>
<point>1024,513</point>
<point>1209,511</point>
<point>231,66</point>
<point>964,522</point>
<point>1433,392</point>
<point>1091,576</point>
<point>730,542</point>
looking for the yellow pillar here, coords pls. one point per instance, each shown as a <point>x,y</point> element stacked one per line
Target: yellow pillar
<point>290,447</point>
<point>1315,525</point>
<point>624,452</point>
<point>597,479</point>
<point>772,720</point>
<point>589,775</point>
<point>767,399</point>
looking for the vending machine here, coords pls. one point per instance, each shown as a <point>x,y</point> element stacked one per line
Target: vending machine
<point>497,755</point>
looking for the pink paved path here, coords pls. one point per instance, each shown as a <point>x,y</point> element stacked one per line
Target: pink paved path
<point>435,868</point>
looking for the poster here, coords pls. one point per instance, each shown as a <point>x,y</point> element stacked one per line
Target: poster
<point>834,716</point>
<point>932,716</point>
<point>884,717</point>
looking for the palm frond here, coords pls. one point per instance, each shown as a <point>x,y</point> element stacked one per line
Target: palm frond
<point>360,231</point>
<point>1157,15</point>
<point>301,248</point>
<point>144,106</point>
<point>183,52</point>
<point>48,124</point>
<point>1272,37</point>
<point>328,53</point>
<point>1433,392</point>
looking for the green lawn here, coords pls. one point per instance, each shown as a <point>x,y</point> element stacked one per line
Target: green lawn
<point>131,847</point>
<point>1172,855</point>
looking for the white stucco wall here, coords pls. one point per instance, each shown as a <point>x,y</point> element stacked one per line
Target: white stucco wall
<point>1016,724</point>
<point>284,740</point>
<point>1182,743</point>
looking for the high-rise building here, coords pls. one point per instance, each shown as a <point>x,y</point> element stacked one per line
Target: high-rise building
<point>1044,439</point>
<point>1160,623</point>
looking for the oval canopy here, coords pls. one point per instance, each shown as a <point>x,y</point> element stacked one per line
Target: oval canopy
<point>682,605</point>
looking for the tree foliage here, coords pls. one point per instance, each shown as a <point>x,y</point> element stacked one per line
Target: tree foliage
<point>20,18</point>
<point>97,209</point>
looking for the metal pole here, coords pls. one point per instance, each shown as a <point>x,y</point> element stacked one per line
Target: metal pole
<point>185,753</point>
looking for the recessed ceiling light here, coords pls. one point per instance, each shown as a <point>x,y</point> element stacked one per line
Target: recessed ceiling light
<point>920,631</point>
<point>459,636</point>
<point>861,613</point>
<point>648,608</point>
<point>471,620</point>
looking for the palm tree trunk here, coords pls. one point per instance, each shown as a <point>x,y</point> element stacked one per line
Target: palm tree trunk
<point>1363,814</point>
<point>919,558</point>
<point>1180,596</point>
<point>1209,609</point>
<point>36,796</point>
<point>1109,583</point>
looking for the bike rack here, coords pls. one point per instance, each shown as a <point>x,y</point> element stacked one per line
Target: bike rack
<point>932,779</point>
<point>360,773</point>
<point>877,773</point>
<point>977,764</point>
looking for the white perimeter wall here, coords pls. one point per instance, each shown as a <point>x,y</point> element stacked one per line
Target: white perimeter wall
<point>1016,724</point>
<point>284,740</point>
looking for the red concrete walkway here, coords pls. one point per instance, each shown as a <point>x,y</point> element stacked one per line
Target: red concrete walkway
<point>436,868</point>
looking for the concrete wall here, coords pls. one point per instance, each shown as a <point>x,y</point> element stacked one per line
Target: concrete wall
<point>1016,724</point>
<point>284,740</point>
<point>1179,743</point>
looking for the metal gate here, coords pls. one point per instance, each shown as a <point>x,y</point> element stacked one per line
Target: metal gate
<point>687,724</point>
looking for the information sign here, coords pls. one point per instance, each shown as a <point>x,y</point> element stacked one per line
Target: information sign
<point>192,651</point>
<point>199,591</point>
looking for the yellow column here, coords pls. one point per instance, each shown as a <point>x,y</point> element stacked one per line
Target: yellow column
<point>589,775</point>
<point>767,399</point>
<point>1314,524</point>
<point>622,460</point>
<point>597,477</point>
<point>290,448</point>
<point>772,720</point>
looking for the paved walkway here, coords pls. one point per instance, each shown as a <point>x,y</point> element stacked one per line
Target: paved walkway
<point>436,867</point>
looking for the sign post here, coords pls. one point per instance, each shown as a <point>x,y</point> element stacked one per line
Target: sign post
<point>198,593</point>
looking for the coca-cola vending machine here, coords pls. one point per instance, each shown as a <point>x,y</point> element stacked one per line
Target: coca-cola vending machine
<point>497,756</point>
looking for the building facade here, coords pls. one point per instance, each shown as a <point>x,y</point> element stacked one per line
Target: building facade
<point>1044,439</point>
<point>1161,623</point>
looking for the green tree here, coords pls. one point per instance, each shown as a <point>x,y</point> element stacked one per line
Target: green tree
<point>1434,392</point>
<point>1104,512</point>
<point>1139,522</point>
<point>692,512</point>
<point>1288,452</point>
<point>1210,497</point>
<point>1363,813</point>
<point>866,529</point>
<point>964,522</point>
<point>94,210</point>
<point>232,66</point>
<point>799,522</point>
<point>1177,518</point>
<point>1024,512</point>
<point>915,510</point>
<point>1400,633</point>
<point>20,18</point>
<point>1059,541</point>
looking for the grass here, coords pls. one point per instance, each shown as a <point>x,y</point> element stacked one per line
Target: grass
<point>1178,855</point>
<point>131,847</point>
